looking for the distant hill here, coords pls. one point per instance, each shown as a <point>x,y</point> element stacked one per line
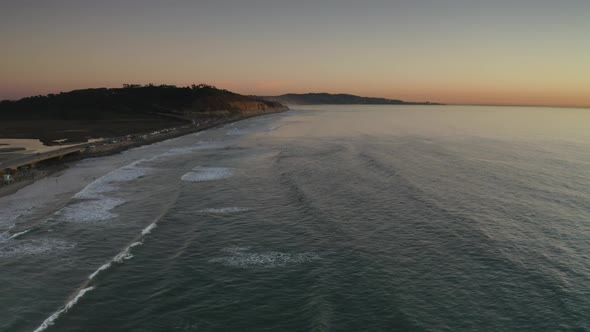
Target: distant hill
<point>132,101</point>
<point>335,99</point>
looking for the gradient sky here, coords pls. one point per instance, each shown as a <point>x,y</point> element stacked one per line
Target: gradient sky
<point>534,52</point>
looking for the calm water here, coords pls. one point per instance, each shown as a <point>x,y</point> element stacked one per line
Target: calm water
<point>345,218</point>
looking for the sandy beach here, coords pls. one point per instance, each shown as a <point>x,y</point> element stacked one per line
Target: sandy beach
<point>95,148</point>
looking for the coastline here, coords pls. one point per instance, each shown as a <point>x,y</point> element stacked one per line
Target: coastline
<point>116,145</point>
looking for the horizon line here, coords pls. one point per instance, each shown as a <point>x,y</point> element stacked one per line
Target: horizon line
<point>344,93</point>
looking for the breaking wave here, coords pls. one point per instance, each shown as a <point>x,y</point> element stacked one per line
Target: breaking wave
<point>51,319</point>
<point>90,210</point>
<point>199,174</point>
<point>122,256</point>
<point>224,210</point>
<point>244,257</point>
<point>34,247</point>
<point>108,182</point>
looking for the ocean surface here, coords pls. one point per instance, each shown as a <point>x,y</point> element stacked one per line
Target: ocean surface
<point>324,218</point>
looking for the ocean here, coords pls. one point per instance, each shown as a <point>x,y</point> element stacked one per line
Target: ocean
<point>322,218</point>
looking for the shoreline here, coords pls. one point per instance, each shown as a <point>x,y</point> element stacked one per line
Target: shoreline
<point>113,146</point>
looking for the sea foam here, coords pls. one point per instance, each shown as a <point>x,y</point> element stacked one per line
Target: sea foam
<point>90,210</point>
<point>92,205</point>
<point>33,247</point>
<point>199,174</point>
<point>224,210</point>
<point>244,257</point>
<point>107,183</point>
<point>51,319</point>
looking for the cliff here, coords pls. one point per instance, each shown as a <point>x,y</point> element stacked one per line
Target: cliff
<point>111,112</point>
<point>132,101</point>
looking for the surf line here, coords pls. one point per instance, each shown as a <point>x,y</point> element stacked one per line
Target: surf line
<point>10,235</point>
<point>122,256</point>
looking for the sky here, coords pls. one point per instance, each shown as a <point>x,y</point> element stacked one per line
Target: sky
<point>516,52</point>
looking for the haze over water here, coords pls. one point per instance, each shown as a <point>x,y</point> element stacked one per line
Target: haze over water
<point>328,218</point>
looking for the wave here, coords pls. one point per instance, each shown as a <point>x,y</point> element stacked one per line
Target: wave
<point>224,210</point>
<point>242,257</point>
<point>34,247</point>
<point>122,256</point>
<point>90,210</point>
<point>185,150</point>
<point>148,229</point>
<point>100,269</point>
<point>107,183</point>
<point>9,215</point>
<point>51,319</point>
<point>246,131</point>
<point>100,209</point>
<point>191,149</point>
<point>237,132</point>
<point>126,254</point>
<point>199,174</point>
<point>91,204</point>
<point>7,235</point>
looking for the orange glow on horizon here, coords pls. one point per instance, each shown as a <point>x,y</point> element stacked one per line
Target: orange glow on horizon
<point>492,52</point>
<point>449,95</point>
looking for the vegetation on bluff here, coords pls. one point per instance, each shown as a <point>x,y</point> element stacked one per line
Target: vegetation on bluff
<point>130,101</point>
<point>112,112</point>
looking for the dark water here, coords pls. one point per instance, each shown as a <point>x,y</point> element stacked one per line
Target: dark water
<point>342,218</point>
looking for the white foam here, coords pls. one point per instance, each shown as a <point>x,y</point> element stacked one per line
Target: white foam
<point>15,209</point>
<point>191,149</point>
<point>246,131</point>
<point>242,257</point>
<point>51,319</point>
<point>186,150</point>
<point>15,235</point>
<point>126,254</point>
<point>200,174</point>
<point>127,173</point>
<point>149,229</point>
<point>90,210</point>
<point>108,182</point>
<point>100,269</point>
<point>235,250</point>
<point>10,214</point>
<point>33,247</point>
<point>94,206</point>
<point>225,210</point>
<point>237,132</point>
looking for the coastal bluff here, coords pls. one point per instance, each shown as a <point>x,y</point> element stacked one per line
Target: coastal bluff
<point>111,112</point>
<point>95,122</point>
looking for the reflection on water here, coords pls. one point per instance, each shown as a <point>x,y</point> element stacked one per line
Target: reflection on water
<point>348,218</point>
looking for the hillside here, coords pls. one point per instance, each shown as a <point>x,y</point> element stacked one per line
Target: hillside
<point>110,112</point>
<point>132,101</point>
<point>335,99</point>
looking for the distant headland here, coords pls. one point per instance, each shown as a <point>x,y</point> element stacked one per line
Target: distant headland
<point>336,99</point>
